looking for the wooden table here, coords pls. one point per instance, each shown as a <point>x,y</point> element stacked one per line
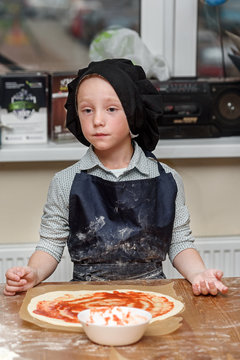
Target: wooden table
<point>210,330</point>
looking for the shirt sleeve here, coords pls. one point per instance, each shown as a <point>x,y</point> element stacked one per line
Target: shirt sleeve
<point>182,236</point>
<point>54,228</point>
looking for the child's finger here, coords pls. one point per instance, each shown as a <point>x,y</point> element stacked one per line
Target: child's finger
<point>9,293</point>
<point>12,276</point>
<point>16,274</point>
<point>196,289</point>
<point>12,290</point>
<point>21,282</point>
<point>204,288</point>
<point>212,288</point>
<point>219,274</point>
<point>222,288</point>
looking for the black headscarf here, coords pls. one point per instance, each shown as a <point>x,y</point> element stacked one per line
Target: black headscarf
<point>140,100</point>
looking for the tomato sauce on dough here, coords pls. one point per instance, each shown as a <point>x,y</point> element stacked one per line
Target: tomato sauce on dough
<point>67,307</point>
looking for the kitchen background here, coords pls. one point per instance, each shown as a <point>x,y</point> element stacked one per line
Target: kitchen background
<point>41,35</point>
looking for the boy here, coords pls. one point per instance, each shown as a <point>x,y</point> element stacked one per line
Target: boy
<point>118,209</point>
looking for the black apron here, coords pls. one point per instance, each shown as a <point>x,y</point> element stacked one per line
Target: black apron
<point>120,230</point>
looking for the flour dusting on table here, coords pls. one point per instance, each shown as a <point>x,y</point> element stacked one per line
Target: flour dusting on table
<point>6,354</point>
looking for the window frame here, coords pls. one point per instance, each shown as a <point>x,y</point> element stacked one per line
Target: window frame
<point>176,40</point>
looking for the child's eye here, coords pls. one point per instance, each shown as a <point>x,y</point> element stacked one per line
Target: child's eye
<point>112,109</point>
<point>87,110</point>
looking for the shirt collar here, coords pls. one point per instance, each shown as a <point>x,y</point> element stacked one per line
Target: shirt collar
<point>139,160</point>
<point>89,160</point>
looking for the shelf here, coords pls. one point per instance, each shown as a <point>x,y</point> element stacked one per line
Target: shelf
<point>225,147</point>
<point>42,152</point>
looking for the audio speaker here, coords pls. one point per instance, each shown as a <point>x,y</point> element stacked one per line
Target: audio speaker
<point>226,107</point>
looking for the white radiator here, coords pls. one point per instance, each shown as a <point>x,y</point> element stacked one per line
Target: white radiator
<point>19,254</point>
<point>217,252</point>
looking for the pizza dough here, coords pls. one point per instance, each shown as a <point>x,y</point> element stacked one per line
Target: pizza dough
<point>62,307</point>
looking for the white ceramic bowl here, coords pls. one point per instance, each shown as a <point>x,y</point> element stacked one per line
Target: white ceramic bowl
<point>99,329</point>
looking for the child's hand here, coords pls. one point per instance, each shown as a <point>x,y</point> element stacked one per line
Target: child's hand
<point>19,279</point>
<point>208,282</point>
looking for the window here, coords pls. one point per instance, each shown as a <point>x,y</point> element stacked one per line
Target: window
<point>169,28</point>
<point>213,42</point>
<point>191,43</point>
<point>54,35</point>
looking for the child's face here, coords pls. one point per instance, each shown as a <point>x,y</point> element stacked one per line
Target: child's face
<point>102,117</point>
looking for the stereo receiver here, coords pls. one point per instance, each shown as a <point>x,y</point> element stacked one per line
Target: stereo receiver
<point>199,108</point>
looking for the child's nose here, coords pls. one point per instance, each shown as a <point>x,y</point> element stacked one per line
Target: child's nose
<point>98,118</point>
